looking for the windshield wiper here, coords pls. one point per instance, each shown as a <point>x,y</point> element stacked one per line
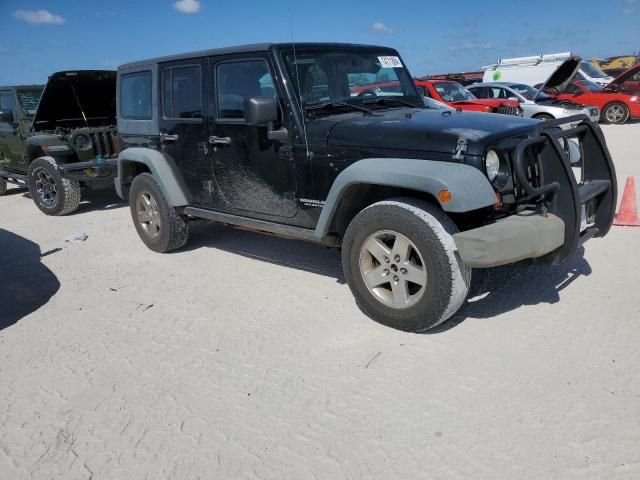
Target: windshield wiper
<point>388,100</point>
<point>334,105</point>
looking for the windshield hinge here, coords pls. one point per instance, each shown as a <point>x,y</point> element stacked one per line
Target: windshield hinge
<point>461,149</point>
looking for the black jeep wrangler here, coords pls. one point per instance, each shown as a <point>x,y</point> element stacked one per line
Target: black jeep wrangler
<point>67,143</point>
<point>273,138</point>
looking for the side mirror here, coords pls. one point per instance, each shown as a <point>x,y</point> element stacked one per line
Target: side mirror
<point>6,116</point>
<point>260,111</point>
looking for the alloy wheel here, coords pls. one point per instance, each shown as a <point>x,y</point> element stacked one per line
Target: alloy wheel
<point>46,187</point>
<point>393,269</point>
<point>615,113</point>
<point>148,215</point>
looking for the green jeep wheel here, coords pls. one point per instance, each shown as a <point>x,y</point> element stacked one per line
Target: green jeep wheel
<point>52,194</point>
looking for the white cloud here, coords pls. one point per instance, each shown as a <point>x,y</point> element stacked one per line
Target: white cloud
<point>187,6</point>
<point>39,16</point>
<point>381,27</point>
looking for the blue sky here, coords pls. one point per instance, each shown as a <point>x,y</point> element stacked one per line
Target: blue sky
<point>43,36</point>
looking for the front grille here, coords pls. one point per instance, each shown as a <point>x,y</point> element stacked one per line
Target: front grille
<point>507,110</point>
<point>104,144</point>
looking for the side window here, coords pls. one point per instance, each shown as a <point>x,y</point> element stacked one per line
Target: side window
<point>238,81</point>
<point>7,104</point>
<point>477,91</point>
<point>135,96</point>
<point>182,92</point>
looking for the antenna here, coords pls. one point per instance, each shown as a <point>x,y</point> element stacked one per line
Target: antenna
<point>299,98</point>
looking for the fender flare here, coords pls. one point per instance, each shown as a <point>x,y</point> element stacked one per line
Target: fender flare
<point>161,169</point>
<point>469,187</point>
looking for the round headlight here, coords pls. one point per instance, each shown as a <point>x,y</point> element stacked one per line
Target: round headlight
<point>492,164</point>
<point>82,142</point>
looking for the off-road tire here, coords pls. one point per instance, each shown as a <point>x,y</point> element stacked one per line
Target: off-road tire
<point>543,116</point>
<point>608,108</point>
<point>174,229</point>
<point>3,187</point>
<point>430,230</point>
<point>68,192</point>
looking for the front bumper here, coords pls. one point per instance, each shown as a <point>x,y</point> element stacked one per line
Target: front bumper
<point>89,171</point>
<point>511,239</point>
<point>562,202</point>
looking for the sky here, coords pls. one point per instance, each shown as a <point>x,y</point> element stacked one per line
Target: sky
<point>39,37</point>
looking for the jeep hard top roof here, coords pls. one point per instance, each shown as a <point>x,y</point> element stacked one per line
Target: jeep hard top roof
<point>256,47</point>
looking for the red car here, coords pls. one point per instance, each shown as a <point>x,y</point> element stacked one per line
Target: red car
<point>618,101</point>
<point>456,96</point>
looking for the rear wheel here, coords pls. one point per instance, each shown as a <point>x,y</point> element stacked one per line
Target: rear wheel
<point>615,113</point>
<point>3,187</point>
<point>52,194</point>
<point>399,260</point>
<point>159,225</point>
<point>543,116</point>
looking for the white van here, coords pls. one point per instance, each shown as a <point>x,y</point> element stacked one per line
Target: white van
<point>535,70</point>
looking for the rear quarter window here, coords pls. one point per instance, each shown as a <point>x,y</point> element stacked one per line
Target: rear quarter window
<point>135,96</point>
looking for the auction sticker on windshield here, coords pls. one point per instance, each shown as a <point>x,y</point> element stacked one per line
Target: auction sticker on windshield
<point>390,62</point>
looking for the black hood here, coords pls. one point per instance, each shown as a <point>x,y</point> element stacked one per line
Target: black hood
<point>418,130</point>
<point>562,76</point>
<point>83,98</point>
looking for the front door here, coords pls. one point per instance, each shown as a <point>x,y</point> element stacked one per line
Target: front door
<point>254,176</point>
<point>183,129</point>
<point>11,142</point>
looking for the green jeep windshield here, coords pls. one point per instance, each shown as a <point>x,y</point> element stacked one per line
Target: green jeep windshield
<point>29,99</point>
<point>348,76</point>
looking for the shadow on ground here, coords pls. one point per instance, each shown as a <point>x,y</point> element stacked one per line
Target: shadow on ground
<point>493,291</point>
<point>93,200</point>
<point>26,283</point>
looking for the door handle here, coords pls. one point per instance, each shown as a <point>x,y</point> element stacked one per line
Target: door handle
<point>168,138</point>
<point>219,140</point>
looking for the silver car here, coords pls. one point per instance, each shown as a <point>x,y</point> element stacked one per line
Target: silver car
<point>534,103</point>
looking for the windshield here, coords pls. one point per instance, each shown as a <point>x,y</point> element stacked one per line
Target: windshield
<point>529,92</point>
<point>594,87</point>
<point>29,99</point>
<point>453,92</point>
<point>591,70</point>
<point>348,76</point>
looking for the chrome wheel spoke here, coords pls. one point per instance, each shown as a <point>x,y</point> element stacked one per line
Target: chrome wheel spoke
<point>401,248</point>
<point>378,249</point>
<point>400,293</point>
<point>376,277</point>
<point>144,216</point>
<point>415,274</point>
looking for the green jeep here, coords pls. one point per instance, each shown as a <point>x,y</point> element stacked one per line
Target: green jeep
<point>65,144</point>
<point>17,108</point>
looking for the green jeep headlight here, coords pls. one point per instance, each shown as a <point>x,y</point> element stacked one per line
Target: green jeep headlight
<point>83,142</point>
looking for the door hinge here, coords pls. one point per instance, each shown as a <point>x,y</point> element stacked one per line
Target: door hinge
<point>286,152</point>
<point>202,148</point>
<point>461,149</point>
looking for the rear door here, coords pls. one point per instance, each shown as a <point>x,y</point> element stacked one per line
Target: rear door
<point>254,176</point>
<point>183,129</point>
<point>11,143</point>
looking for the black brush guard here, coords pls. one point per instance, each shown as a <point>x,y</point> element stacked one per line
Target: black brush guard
<point>555,189</point>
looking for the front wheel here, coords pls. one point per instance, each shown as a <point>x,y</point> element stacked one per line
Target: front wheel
<point>400,262</point>
<point>615,113</point>
<point>52,194</point>
<point>543,116</point>
<point>159,225</point>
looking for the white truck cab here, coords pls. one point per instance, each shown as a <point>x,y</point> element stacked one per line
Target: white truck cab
<point>536,69</point>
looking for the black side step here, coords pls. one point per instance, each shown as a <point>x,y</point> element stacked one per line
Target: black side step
<point>15,178</point>
<point>258,225</point>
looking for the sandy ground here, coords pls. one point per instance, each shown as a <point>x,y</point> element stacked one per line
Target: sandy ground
<point>244,356</point>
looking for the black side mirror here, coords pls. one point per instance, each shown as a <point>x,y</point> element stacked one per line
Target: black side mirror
<point>6,116</point>
<point>260,111</point>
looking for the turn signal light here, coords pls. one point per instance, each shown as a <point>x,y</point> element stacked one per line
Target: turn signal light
<point>444,196</point>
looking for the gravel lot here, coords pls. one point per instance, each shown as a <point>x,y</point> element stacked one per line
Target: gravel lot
<point>244,356</point>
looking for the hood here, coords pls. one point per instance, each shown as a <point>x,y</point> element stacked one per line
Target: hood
<point>425,130</point>
<point>619,81</point>
<point>84,98</point>
<point>562,76</point>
